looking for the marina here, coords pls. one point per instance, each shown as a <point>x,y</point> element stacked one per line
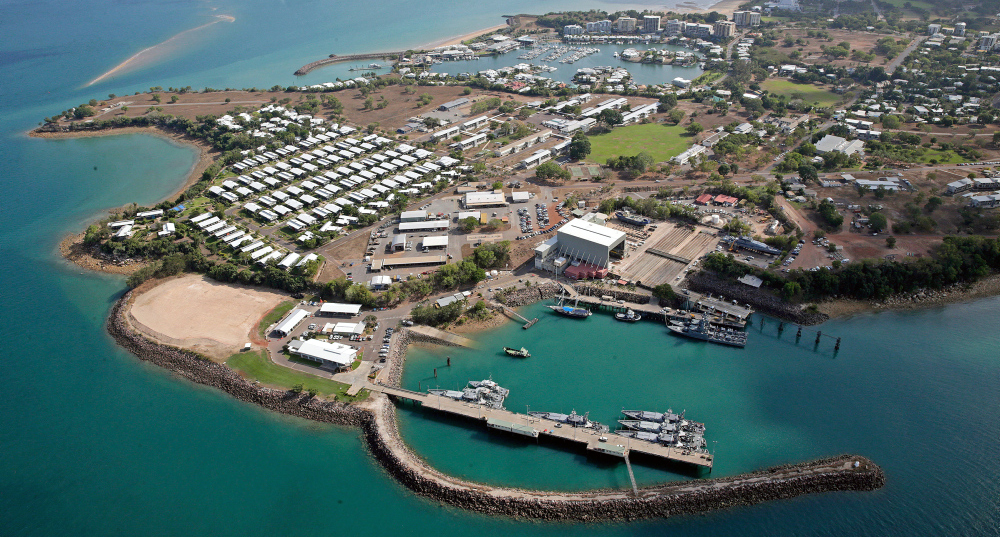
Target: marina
<point>594,440</point>
<point>564,71</point>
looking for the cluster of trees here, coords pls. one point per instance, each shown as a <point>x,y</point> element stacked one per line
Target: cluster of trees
<point>550,171</point>
<point>579,146</point>
<point>634,165</point>
<point>429,314</point>
<point>452,275</point>
<point>492,255</point>
<point>486,104</point>
<point>830,215</point>
<point>268,276</point>
<point>650,207</point>
<point>957,259</point>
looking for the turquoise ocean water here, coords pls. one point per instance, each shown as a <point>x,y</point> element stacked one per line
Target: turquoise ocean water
<point>94,442</point>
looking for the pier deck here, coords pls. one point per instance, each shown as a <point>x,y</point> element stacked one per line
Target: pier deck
<point>614,445</point>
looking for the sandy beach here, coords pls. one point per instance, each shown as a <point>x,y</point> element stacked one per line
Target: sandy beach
<point>458,39</point>
<point>725,7</point>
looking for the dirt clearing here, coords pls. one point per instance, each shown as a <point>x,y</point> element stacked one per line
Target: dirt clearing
<point>198,313</point>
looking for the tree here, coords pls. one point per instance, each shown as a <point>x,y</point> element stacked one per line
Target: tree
<point>579,147</point>
<point>469,224</point>
<point>694,128</point>
<point>808,172</point>
<point>174,98</point>
<point>890,242</point>
<point>790,290</point>
<point>369,103</point>
<point>877,221</point>
<point>676,116</point>
<point>551,170</point>
<point>891,122</point>
<point>610,117</point>
<point>83,111</point>
<point>933,203</point>
<point>665,293</point>
<point>467,91</point>
<point>668,102</point>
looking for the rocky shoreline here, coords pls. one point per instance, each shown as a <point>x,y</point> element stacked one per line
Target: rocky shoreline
<point>201,370</point>
<point>377,420</point>
<point>530,295</point>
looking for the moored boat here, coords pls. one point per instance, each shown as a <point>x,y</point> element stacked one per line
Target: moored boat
<point>517,353</point>
<point>628,316</point>
<point>706,332</point>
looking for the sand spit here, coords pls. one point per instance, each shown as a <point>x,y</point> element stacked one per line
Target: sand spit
<point>151,54</point>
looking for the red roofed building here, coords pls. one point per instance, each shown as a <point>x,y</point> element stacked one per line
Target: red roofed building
<point>724,200</point>
<point>703,199</point>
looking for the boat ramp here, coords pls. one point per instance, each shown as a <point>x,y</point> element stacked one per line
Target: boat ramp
<point>534,427</point>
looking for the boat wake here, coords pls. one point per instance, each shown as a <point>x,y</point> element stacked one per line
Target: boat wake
<point>148,55</point>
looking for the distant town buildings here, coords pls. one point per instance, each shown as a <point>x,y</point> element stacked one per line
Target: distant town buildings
<point>650,24</point>
<point>625,25</point>
<point>674,27</point>
<point>933,29</point>
<point>599,27</point>
<point>745,19</point>
<point>724,29</point>
<point>572,29</point>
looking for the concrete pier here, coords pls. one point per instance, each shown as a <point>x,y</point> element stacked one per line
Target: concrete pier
<point>606,443</point>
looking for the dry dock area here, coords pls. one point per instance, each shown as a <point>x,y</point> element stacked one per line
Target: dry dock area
<point>524,425</point>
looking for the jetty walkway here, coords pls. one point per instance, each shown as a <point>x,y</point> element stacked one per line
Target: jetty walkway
<point>606,443</point>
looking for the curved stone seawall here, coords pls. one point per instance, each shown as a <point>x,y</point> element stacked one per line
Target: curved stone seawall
<point>681,498</point>
<point>195,368</point>
<point>379,426</point>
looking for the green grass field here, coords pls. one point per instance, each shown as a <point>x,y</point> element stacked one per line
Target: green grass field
<point>257,366</point>
<point>272,316</point>
<point>660,141</point>
<point>810,94</point>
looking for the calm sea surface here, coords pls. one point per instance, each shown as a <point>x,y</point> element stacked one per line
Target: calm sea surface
<point>94,442</point>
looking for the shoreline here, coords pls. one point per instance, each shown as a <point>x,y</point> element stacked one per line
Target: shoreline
<point>454,40</point>
<point>377,420</point>
<point>956,294</point>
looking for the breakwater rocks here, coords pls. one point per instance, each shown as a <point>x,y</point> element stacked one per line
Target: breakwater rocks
<point>333,58</point>
<point>844,473</point>
<point>762,301</point>
<point>197,369</point>
<point>529,295</point>
<point>627,296</point>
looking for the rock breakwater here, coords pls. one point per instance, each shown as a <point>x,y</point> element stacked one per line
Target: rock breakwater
<point>529,295</point>
<point>617,294</point>
<point>844,473</point>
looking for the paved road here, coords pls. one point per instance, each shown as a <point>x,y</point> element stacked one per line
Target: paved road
<point>898,60</point>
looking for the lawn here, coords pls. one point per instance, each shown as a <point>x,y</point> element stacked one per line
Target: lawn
<point>272,316</point>
<point>810,93</point>
<point>660,141</point>
<point>257,366</point>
